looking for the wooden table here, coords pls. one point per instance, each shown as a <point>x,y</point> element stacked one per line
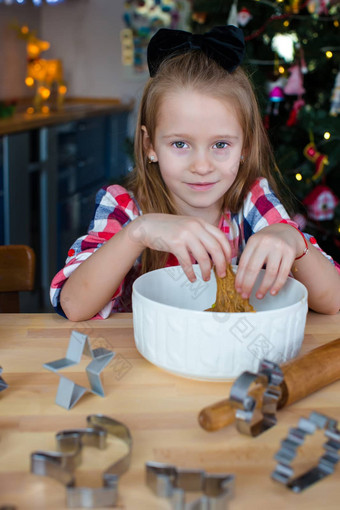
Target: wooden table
<point>160,410</point>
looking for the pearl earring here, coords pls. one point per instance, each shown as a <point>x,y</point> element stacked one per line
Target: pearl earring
<point>152,159</point>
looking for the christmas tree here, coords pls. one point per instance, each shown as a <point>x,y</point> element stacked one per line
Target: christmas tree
<point>293,57</point>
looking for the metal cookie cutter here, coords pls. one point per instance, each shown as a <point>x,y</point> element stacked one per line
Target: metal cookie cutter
<point>62,464</point>
<point>249,418</point>
<point>69,392</point>
<point>3,384</point>
<point>296,436</point>
<point>167,481</point>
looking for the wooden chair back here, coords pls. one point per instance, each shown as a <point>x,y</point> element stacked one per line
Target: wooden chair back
<point>17,271</point>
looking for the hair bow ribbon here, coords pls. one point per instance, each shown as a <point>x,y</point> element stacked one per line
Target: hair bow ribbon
<point>223,44</point>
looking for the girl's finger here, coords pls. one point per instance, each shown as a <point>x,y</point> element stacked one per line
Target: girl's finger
<point>185,261</point>
<point>243,267</point>
<point>200,253</point>
<point>282,275</point>
<point>222,241</point>
<point>273,267</point>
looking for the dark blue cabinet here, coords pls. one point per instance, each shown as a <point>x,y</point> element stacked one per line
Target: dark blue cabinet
<point>49,177</point>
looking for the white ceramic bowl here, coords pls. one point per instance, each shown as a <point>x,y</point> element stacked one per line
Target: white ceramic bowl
<point>173,331</point>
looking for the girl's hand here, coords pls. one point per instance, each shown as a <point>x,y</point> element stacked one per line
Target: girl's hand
<point>187,238</point>
<point>276,247</point>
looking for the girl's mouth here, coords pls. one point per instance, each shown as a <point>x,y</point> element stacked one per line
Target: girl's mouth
<point>200,186</point>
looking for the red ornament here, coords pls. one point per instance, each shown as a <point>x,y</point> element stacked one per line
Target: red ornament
<point>316,157</point>
<point>321,203</point>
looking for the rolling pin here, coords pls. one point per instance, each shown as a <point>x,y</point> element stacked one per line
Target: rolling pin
<point>302,377</point>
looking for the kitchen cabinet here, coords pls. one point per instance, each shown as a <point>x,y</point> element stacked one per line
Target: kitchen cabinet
<point>51,167</point>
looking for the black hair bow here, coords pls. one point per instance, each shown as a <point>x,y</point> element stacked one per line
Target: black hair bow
<point>223,44</point>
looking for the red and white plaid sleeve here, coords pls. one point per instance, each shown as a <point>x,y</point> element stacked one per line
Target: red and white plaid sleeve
<point>115,208</point>
<point>263,208</point>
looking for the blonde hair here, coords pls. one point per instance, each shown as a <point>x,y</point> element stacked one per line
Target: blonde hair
<point>198,72</point>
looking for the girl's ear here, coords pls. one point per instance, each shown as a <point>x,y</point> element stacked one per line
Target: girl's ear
<point>147,145</point>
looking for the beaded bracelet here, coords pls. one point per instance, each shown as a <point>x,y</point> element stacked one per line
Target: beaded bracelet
<point>305,251</point>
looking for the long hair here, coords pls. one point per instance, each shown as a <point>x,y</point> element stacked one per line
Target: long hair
<point>196,71</point>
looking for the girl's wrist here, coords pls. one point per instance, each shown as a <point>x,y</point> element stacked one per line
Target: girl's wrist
<point>136,232</point>
<point>306,248</point>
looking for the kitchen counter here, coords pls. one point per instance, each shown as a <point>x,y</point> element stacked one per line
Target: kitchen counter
<point>73,109</point>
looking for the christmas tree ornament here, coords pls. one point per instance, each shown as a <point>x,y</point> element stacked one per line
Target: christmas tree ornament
<point>321,203</point>
<point>320,160</point>
<point>293,116</point>
<point>318,7</point>
<point>276,97</point>
<point>232,18</point>
<point>335,98</point>
<point>243,17</point>
<point>295,6</point>
<point>283,44</point>
<point>294,85</point>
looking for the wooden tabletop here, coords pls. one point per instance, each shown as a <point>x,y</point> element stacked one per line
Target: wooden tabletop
<point>160,410</point>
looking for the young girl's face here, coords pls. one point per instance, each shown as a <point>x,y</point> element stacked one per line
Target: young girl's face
<point>198,145</point>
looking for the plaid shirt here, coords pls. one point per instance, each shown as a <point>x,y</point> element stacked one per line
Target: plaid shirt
<point>116,207</point>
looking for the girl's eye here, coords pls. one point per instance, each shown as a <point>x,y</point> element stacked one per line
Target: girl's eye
<point>180,145</point>
<point>220,145</point>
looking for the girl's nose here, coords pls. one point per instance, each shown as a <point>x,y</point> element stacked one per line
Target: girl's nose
<point>201,163</point>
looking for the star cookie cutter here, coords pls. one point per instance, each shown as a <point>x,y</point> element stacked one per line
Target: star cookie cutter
<point>167,481</point>
<point>61,465</point>
<point>69,392</point>
<point>284,473</point>
<point>3,384</point>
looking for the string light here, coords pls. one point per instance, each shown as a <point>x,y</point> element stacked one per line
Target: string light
<point>298,177</point>
<point>329,54</point>
<point>327,135</point>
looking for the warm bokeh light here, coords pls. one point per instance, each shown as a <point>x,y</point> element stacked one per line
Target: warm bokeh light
<point>329,54</point>
<point>45,109</point>
<point>298,177</point>
<point>44,92</point>
<point>29,81</point>
<point>30,110</point>
<point>327,135</point>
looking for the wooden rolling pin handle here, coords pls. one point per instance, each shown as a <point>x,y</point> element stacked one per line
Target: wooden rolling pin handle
<point>302,377</point>
<point>310,372</point>
<point>217,416</point>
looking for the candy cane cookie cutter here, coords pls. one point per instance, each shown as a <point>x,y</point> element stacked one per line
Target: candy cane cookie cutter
<point>62,464</point>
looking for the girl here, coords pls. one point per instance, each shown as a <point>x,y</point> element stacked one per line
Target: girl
<point>202,190</point>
